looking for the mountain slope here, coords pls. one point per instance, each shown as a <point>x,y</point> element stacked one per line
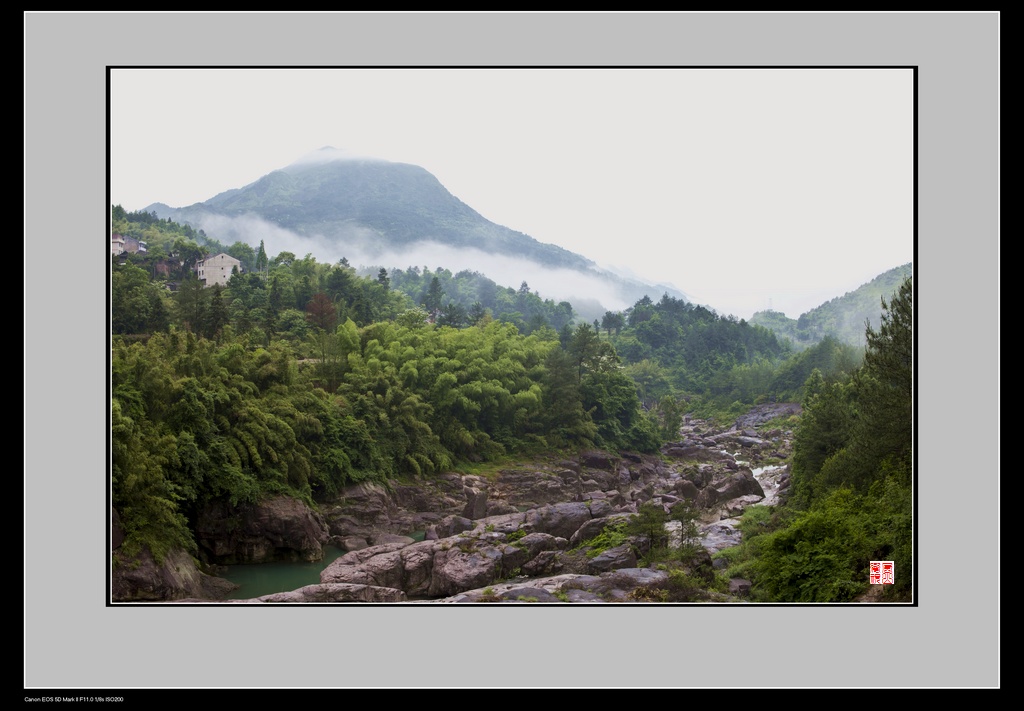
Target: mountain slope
<point>843,317</point>
<point>378,210</point>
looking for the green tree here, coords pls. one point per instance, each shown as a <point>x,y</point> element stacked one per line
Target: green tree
<point>188,254</point>
<point>453,315</point>
<point>243,253</point>
<point>566,423</point>
<point>648,523</point>
<point>136,304</point>
<point>477,312</point>
<point>613,321</point>
<point>432,299</point>
<point>283,259</point>
<point>665,535</point>
<point>192,302</point>
<point>261,261</point>
<point>670,411</point>
<point>585,349</point>
<point>824,430</point>
<point>889,365</point>
<point>217,316</point>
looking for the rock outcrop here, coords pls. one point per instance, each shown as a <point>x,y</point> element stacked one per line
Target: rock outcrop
<point>141,579</point>
<point>281,528</point>
<point>519,535</point>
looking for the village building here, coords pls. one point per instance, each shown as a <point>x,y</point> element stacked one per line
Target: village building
<point>119,244</point>
<point>217,269</point>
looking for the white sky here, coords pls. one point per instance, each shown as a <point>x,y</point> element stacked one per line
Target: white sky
<point>744,188</point>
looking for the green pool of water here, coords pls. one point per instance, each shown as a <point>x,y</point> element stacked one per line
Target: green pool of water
<point>266,578</point>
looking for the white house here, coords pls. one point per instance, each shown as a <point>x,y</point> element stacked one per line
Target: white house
<point>217,269</point>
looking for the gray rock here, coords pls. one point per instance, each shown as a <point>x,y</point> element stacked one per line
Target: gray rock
<point>462,566</point>
<point>515,534</point>
<point>142,579</point>
<point>476,502</point>
<point>336,592</point>
<point>599,460</point>
<point>613,559</point>
<point>281,528</point>
<point>350,543</point>
<point>561,520</point>
<point>739,484</point>
<point>452,525</point>
<point>739,586</point>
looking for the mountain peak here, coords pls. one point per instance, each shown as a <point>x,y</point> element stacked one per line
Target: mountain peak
<point>381,212</point>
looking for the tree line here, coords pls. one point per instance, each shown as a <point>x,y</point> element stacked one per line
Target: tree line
<point>305,377</point>
<point>851,499</point>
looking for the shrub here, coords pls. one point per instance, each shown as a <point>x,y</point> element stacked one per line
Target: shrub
<point>679,587</point>
<point>488,595</point>
<point>515,535</point>
<point>613,535</point>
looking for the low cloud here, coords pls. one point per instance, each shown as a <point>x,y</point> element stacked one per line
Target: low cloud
<point>356,245</point>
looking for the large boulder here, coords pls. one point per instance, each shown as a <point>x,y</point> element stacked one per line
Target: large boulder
<point>612,559</point>
<point>737,485</point>
<point>363,510</point>
<point>142,579</point>
<point>593,528</point>
<point>336,592</point>
<point>560,520</point>
<point>535,486</point>
<point>281,528</point>
<point>476,502</point>
<point>599,460</point>
<point>463,564</point>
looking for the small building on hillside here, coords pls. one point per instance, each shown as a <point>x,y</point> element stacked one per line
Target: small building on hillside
<point>217,269</point>
<point>134,246</point>
<point>119,244</point>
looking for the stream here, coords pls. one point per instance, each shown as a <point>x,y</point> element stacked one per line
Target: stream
<point>724,533</point>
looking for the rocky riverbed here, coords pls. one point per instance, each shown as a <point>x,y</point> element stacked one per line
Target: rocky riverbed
<point>516,535</point>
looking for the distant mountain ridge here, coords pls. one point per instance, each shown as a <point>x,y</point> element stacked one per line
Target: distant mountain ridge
<point>378,208</point>
<point>844,317</point>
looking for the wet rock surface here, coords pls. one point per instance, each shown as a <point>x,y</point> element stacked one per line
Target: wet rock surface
<point>517,535</point>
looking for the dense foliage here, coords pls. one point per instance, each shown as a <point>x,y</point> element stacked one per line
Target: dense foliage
<point>303,378</point>
<point>841,318</point>
<point>466,297</point>
<point>852,482</point>
<point>677,352</point>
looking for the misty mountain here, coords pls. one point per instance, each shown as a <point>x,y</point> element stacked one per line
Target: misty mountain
<point>398,215</point>
<point>843,317</point>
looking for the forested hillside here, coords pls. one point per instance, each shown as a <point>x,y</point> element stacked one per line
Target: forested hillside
<point>842,318</point>
<point>304,377</point>
<point>301,378</point>
<point>719,366</point>
<point>377,212</point>
<point>465,297</point>
<point>852,493</point>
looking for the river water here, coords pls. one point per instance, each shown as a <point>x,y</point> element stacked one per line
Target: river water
<point>267,578</point>
<point>724,533</point>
